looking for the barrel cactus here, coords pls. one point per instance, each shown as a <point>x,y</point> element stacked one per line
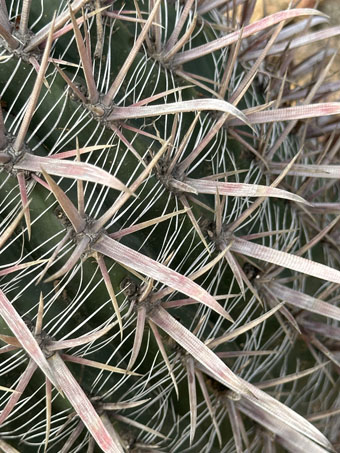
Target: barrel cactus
<point>169,244</point>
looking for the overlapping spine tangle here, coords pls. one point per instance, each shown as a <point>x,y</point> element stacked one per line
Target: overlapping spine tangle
<point>168,228</point>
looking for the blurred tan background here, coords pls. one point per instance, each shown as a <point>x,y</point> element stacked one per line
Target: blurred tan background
<point>329,7</point>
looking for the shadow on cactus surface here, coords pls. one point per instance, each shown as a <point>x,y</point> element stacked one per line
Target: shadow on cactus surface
<point>169,228</point>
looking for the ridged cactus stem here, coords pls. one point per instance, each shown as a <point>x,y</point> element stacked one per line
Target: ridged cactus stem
<point>168,228</point>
